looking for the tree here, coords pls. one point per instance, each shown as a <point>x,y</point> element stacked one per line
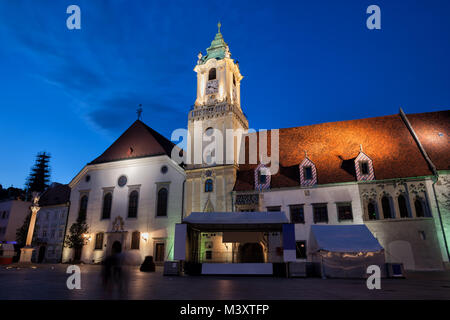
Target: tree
<point>39,178</point>
<point>75,239</point>
<point>22,232</point>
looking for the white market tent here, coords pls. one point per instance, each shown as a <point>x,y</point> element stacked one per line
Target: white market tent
<point>345,250</point>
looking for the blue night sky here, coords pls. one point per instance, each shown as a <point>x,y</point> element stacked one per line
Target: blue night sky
<point>73,92</point>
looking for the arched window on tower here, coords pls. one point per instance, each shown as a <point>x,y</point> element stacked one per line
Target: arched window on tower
<point>402,206</point>
<point>161,210</point>
<point>133,204</point>
<point>209,185</point>
<point>83,208</point>
<point>107,202</point>
<point>212,74</point>
<point>386,205</point>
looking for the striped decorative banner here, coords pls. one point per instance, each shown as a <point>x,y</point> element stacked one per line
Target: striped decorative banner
<point>362,157</point>
<point>307,163</point>
<point>265,171</point>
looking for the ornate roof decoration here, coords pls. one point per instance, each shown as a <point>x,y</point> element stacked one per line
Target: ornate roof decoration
<point>218,49</point>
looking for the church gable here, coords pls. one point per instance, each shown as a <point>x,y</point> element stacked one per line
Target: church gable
<point>137,141</point>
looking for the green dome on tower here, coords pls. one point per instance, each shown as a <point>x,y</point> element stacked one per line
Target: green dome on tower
<point>218,49</point>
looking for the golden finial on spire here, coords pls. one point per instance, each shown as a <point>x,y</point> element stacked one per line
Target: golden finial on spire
<point>218,26</point>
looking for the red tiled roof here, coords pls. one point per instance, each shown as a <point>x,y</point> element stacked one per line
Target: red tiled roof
<point>432,129</point>
<point>334,146</point>
<point>57,193</point>
<point>139,140</point>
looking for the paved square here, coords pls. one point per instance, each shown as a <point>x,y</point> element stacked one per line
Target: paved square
<point>49,282</point>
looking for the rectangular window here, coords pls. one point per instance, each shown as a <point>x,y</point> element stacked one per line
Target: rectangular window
<point>99,241</point>
<point>307,173</point>
<point>274,209</point>
<point>320,212</point>
<point>344,211</point>
<point>297,213</point>
<point>135,240</point>
<point>300,249</point>
<point>208,255</point>
<point>364,166</point>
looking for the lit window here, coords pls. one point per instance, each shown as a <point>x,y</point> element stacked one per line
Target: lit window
<point>99,241</point>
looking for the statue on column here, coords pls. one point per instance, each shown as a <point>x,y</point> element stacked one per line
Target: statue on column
<point>27,251</point>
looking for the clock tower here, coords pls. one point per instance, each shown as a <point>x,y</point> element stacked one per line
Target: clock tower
<point>216,119</point>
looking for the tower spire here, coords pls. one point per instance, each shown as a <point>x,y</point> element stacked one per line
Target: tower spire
<point>218,27</point>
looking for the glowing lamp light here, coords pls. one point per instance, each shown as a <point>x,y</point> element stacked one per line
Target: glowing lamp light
<point>87,236</point>
<point>144,236</point>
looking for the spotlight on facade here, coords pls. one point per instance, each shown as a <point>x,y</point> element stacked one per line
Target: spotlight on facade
<point>145,236</point>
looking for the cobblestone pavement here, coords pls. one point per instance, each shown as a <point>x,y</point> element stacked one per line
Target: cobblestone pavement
<point>49,282</point>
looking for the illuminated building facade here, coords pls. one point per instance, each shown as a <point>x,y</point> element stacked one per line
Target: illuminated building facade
<point>132,195</point>
<point>387,174</point>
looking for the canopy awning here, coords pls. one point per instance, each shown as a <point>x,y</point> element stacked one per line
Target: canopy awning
<point>343,238</point>
<point>244,221</point>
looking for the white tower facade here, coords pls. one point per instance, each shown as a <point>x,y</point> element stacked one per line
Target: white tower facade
<point>216,124</point>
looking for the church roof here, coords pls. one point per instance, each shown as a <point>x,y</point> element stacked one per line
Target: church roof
<point>138,141</point>
<point>432,129</point>
<point>333,147</point>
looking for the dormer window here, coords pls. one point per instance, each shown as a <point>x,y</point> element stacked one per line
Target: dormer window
<point>364,167</point>
<point>262,177</point>
<point>212,74</point>
<point>308,173</point>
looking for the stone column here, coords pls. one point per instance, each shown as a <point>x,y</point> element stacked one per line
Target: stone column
<point>27,251</point>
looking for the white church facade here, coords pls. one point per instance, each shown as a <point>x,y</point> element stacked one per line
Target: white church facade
<point>132,194</point>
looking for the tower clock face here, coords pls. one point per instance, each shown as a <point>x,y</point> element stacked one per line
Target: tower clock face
<point>212,86</point>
